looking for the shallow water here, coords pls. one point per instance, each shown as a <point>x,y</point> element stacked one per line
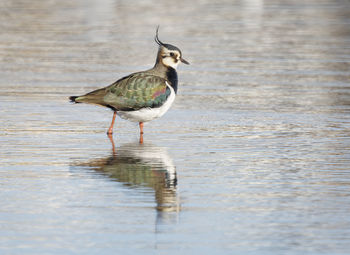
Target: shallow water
<point>253,158</point>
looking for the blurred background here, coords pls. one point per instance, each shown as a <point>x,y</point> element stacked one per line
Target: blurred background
<point>253,157</point>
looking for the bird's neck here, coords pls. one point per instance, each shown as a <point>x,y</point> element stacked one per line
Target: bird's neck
<point>160,68</point>
<point>166,72</point>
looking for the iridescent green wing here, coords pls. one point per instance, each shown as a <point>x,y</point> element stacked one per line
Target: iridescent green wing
<point>136,91</point>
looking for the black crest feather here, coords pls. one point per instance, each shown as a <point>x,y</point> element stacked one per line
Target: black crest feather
<point>156,38</point>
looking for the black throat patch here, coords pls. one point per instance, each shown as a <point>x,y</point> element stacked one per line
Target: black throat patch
<point>171,75</point>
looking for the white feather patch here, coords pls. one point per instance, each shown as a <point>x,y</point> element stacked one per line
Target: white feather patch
<point>169,61</point>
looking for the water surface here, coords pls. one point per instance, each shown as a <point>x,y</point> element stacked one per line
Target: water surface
<point>253,158</point>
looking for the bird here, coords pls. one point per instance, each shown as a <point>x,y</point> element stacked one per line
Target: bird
<point>141,96</point>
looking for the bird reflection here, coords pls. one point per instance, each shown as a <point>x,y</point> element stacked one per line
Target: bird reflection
<point>142,165</point>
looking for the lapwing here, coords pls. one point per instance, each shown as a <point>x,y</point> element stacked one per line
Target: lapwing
<point>141,96</point>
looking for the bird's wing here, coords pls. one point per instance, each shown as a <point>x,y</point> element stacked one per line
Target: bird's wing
<point>136,91</point>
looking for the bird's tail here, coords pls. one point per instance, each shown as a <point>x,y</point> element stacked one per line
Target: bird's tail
<point>94,97</point>
<point>72,99</point>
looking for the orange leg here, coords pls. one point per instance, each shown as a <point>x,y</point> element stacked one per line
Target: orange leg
<point>113,146</point>
<point>110,130</point>
<point>141,131</point>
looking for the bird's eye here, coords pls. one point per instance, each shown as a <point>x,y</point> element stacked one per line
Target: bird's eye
<point>171,54</point>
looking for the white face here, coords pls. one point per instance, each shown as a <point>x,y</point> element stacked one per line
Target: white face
<point>171,58</point>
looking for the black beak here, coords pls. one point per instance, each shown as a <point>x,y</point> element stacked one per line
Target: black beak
<point>184,61</point>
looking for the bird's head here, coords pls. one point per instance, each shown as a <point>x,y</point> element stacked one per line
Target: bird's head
<point>169,55</point>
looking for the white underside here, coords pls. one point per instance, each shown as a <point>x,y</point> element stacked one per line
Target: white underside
<point>148,114</point>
